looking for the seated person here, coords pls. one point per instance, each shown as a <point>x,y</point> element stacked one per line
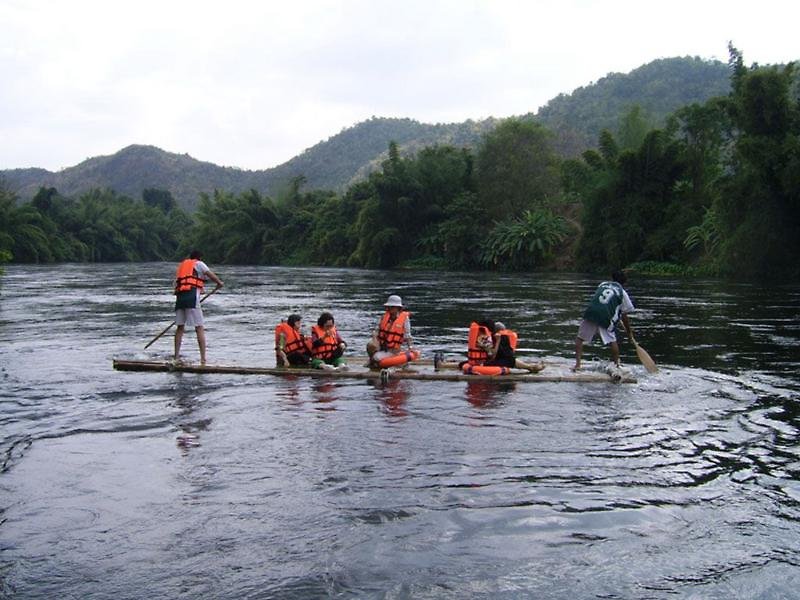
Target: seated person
<point>291,346</point>
<point>479,343</point>
<point>503,353</point>
<point>327,346</point>
<point>393,331</point>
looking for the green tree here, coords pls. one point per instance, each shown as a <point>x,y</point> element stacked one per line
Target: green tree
<point>759,204</point>
<point>516,169</point>
<point>706,235</point>
<point>629,215</point>
<point>236,229</point>
<point>407,200</point>
<point>524,242</point>
<point>459,238</point>
<point>633,128</point>
<point>161,199</point>
<point>23,231</point>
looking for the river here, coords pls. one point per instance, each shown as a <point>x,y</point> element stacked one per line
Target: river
<point>164,485</point>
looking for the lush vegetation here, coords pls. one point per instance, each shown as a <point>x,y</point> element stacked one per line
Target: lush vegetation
<point>438,207</point>
<point>100,226</point>
<point>713,190</point>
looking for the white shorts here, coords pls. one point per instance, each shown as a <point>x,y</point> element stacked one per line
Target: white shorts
<point>190,317</point>
<point>588,330</point>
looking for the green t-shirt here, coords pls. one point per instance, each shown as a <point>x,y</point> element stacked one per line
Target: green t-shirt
<point>604,307</point>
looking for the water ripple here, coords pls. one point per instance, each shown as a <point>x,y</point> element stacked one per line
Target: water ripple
<point>179,485</point>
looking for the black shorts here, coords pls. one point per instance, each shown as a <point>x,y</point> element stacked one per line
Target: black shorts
<point>187,299</point>
<point>501,361</point>
<point>298,359</point>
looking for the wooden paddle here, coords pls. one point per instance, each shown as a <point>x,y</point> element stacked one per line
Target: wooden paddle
<point>644,358</point>
<point>168,327</point>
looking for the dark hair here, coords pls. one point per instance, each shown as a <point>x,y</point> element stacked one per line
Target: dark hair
<point>324,318</point>
<point>293,318</point>
<point>488,323</point>
<point>195,255</point>
<point>619,276</point>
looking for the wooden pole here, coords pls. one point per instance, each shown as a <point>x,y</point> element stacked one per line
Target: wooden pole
<point>168,327</point>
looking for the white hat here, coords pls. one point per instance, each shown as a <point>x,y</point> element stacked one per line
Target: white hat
<point>498,326</point>
<point>394,300</point>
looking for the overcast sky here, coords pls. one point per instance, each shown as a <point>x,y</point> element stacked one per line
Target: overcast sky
<point>251,84</point>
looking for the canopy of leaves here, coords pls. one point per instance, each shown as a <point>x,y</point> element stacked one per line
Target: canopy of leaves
<point>517,169</point>
<point>100,226</point>
<point>713,190</point>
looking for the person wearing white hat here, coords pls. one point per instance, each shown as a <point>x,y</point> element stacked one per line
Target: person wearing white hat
<point>393,331</point>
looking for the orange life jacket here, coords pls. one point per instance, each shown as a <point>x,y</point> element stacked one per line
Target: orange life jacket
<point>391,334</point>
<point>469,369</point>
<point>399,359</point>
<point>186,277</point>
<point>512,337</point>
<point>330,342</point>
<point>476,355</point>
<point>294,341</point>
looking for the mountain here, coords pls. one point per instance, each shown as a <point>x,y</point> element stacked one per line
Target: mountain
<point>347,156</point>
<point>659,88</point>
<point>130,171</point>
<point>331,164</point>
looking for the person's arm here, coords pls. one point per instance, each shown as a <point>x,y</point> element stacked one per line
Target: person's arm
<point>213,277</point>
<point>627,323</point>
<point>407,334</point>
<point>492,351</point>
<point>627,307</point>
<point>280,355</point>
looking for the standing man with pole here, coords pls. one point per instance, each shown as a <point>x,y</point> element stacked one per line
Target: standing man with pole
<point>190,278</point>
<point>609,304</point>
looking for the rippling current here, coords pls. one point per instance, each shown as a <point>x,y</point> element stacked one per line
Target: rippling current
<point>153,485</point>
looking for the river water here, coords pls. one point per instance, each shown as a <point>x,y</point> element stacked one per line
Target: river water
<point>163,485</point>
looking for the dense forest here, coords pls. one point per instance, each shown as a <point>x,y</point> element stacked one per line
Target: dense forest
<point>713,190</point>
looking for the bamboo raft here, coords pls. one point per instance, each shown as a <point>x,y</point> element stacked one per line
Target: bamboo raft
<point>421,371</point>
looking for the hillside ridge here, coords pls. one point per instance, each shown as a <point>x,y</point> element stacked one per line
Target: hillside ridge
<point>576,119</point>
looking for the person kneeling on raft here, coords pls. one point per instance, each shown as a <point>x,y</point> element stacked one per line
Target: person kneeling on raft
<point>503,353</point>
<point>327,346</point>
<point>385,349</point>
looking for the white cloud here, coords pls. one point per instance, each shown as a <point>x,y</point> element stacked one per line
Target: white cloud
<point>252,84</point>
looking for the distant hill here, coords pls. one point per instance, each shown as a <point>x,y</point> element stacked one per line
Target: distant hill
<point>130,171</point>
<point>659,87</point>
<point>332,164</point>
<point>352,153</point>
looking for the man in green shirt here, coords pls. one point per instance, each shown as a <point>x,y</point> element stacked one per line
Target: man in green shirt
<point>608,305</point>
